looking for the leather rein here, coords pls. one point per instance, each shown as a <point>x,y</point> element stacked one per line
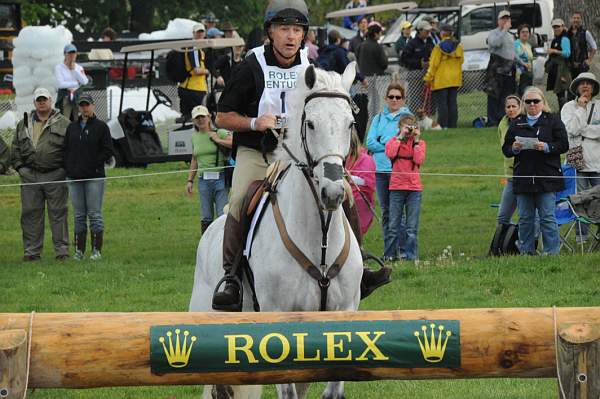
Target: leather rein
<point>322,273</point>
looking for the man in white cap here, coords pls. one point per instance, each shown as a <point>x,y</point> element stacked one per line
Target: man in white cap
<point>37,154</point>
<point>192,90</point>
<point>70,76</point>
<point>581,117</point>
<point>501,70</point>
<point>557,66</point>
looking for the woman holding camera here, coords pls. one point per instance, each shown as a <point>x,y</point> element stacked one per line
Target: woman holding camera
<point>208,159</point>
<point>384,126</point>
<point>406,152</point>
<point>536,139</point>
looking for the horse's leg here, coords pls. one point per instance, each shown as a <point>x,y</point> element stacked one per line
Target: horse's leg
<point>221,392</point>
<point>334,390</point>
<point>302,389</point>
<point>286,391</point>
<point>247,391</point>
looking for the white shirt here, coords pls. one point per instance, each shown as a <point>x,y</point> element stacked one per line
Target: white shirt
<point>579,132</point>
<point>69,78</point>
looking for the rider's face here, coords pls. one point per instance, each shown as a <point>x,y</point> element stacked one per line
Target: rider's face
<point>287,39</point>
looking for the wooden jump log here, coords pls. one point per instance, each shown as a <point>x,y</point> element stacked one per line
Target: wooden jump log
<point>84,350</point>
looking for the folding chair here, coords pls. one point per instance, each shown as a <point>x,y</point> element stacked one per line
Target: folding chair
<point>585,206</point>
<point>564,211</point>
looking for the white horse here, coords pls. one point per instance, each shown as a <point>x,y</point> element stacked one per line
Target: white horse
<point>319,131</point>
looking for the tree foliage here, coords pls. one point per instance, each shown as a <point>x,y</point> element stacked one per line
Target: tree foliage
<point>90,17</point>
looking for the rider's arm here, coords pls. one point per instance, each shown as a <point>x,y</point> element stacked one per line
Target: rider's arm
<point>238,123</point>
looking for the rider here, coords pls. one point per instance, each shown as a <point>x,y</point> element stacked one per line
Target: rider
<point>252,103</point>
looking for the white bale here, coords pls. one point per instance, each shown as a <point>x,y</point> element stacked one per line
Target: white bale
<point>8,120</point>
<point>178,28</point>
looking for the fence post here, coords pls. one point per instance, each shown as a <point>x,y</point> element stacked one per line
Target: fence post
<point>13,363</point>
<point>579,361</point>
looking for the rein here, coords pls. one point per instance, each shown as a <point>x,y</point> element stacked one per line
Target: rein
<point>323,274</point>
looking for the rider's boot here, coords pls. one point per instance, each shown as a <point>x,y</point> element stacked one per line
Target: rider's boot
<point>371,280</point>
<point>229,298</point>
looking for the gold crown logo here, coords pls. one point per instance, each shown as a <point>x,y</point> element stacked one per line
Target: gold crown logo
<point>433,351</point>
<point>179,355</point>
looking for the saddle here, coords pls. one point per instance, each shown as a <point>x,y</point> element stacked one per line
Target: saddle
<point>251,214</point>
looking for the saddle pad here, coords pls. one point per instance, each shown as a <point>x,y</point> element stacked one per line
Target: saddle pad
<point>255,219</point>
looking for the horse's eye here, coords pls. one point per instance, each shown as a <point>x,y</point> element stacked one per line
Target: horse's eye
<point>310,125</point>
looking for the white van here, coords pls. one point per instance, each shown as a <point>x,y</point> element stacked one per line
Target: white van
<point>479,18</point>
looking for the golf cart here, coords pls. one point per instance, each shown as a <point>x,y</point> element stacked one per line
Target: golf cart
<point>133,132</point>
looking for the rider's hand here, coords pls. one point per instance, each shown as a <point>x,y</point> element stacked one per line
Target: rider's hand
<point>220,81</point>
<point>266,121</point>
<point>365,83</point>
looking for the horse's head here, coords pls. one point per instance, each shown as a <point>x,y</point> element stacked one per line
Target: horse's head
<point>321,127</point>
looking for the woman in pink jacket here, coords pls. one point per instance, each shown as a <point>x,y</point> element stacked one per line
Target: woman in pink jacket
<point>406,152</point>
<point>361,167</point>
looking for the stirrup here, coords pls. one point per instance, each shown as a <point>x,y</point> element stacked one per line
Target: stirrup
<point>235,307</point>
<point>369,256</point>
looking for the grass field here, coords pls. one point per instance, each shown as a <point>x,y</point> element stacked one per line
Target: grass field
<point>152,230</point>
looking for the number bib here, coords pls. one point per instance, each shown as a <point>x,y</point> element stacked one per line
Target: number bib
<point>278,81</point>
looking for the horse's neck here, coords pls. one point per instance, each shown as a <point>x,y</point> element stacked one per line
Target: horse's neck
<point>301,215</point>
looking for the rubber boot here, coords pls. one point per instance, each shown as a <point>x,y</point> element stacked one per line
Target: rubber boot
<point>97,241</point>
<point>371,280</point>
<point>229,298</point>
<point>80,239</point>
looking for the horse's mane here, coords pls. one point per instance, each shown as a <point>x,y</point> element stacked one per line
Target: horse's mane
<point>325,81</point>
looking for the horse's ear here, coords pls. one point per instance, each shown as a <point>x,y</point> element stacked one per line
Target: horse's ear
<point>310,77</point>
<point>349,75</point>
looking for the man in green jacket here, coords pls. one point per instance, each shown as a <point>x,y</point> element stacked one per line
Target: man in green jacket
<point>38,156</point>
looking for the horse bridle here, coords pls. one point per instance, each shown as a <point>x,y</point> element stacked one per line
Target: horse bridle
<point>323,274</point>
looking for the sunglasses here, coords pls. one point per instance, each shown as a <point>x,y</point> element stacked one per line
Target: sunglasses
<point>395,97</point>
<point>530,101</point>
<point>557,26</point>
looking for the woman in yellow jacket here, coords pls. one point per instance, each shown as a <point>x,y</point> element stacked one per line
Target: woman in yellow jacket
<point>444,76</point>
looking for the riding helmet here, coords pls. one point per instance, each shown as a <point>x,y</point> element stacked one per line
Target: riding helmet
<point>292,12</point>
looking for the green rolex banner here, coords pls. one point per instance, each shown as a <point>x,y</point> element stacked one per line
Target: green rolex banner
<point>277,346</point>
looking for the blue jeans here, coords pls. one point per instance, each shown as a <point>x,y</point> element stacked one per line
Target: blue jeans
<point>508,204</point>
<point>585,181</point>
<point>408,202</point>
<point>382,184</point>
<point>213,197</point>
<point>545,204</point>
<point>87,204</point>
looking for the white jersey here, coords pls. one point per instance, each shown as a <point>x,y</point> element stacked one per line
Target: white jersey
<point>278,82</point>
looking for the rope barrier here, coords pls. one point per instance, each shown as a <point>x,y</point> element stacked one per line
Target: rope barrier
<point>433,174</point>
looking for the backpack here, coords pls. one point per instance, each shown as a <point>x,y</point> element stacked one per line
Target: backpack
<point>505,240</point>
<point>326,59</point>
<point>175,66</point>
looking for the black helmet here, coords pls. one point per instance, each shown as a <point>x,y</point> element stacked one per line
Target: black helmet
<point>292,12</point>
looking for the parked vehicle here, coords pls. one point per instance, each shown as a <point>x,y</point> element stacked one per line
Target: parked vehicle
<point>10,26</point>
<point>134,134</point>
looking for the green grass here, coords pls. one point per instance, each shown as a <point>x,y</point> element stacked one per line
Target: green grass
<point>152,231</point>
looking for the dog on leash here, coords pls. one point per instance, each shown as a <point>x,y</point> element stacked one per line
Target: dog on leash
<point>425,122</point>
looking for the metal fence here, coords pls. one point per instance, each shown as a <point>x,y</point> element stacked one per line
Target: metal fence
<point>472,101</point>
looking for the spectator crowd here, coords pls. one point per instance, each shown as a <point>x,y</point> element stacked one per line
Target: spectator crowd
<point>62,140</point>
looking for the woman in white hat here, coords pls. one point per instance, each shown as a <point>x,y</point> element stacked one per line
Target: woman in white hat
<point>581,117</point>
<point>208,161</point>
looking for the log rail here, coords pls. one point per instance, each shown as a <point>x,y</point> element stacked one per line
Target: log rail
<point>84,350</point>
